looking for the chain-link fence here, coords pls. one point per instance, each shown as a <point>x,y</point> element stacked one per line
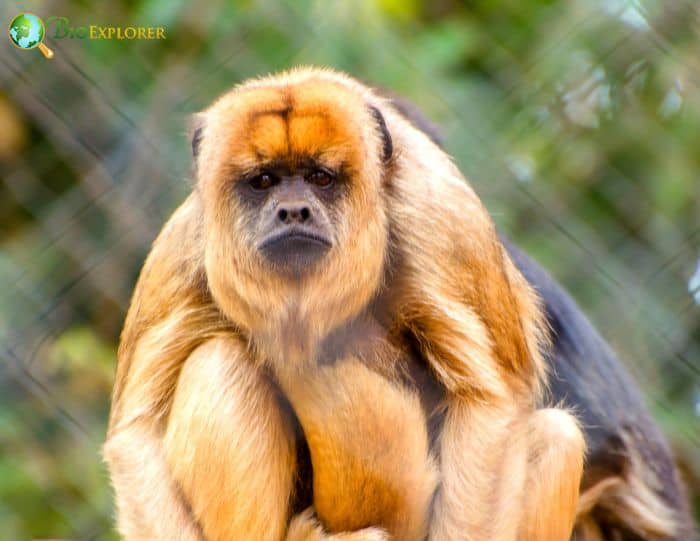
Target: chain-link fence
<point>578,122</point>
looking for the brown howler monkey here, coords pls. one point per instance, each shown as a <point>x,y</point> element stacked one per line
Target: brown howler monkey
<point>328,253</point>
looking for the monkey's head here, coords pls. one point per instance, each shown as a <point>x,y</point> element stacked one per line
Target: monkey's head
<point>290,170</point>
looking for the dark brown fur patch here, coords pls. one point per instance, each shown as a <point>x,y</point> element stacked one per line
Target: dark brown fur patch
<point>387,143</point>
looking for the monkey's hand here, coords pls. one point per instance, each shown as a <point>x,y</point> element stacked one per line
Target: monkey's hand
<point>305,527</point>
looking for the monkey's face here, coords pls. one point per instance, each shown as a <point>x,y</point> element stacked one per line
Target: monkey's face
<point>290,174</point>
<point>291,207</point>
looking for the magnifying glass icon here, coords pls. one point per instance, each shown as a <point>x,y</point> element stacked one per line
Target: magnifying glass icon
<point>27,32</point>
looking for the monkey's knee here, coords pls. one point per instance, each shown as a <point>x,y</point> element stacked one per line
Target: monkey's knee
<point>555,431</point>
<point>556,452</point>
<point>554,470</point>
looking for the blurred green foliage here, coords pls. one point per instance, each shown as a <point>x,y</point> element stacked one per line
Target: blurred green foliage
<point>578,122</point>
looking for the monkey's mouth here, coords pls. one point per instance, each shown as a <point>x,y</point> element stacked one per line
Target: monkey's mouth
<point>295,247</point>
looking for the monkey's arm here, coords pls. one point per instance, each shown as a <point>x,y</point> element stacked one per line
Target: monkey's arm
<point>149,504</point>
<point>523,466</point>
<point>229,445</point>
<point>225,448</point>
<point>480,328</point>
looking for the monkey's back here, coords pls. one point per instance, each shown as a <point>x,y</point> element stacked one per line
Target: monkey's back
<point>623,441</point>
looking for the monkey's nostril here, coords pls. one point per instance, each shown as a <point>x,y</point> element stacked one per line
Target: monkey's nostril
<point>294,214</point>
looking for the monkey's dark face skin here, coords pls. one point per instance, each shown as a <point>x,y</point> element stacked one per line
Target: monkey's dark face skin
<point>292,205</point>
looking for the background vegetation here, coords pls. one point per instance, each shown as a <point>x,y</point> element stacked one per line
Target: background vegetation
<point>577,121</point>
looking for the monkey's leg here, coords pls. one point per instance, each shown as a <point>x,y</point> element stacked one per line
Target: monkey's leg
<point>369,449</point>
<point>471,454</point>
<point>556,449</point>
<point>230,447</point>
<point>507,476</point>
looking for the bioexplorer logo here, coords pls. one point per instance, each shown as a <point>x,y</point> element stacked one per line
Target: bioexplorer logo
<point>27,31</point>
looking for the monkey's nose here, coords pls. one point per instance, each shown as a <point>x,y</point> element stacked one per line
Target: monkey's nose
<point>294,214</point>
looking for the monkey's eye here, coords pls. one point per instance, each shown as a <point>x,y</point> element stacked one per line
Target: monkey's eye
<point>262,182</point>
<point>320,178</point>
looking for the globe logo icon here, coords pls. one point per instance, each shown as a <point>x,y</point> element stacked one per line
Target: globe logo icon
<point>27,32</point>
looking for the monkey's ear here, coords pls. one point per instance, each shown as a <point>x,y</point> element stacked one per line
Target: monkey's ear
<point>196,132</point>
<point>387,144</point>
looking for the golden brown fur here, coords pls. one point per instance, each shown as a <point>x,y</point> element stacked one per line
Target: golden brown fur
<point>199,444</point>
<point>369,449</point>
